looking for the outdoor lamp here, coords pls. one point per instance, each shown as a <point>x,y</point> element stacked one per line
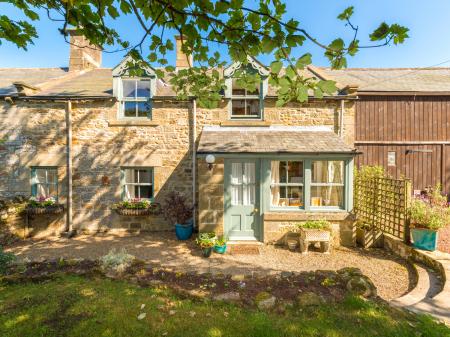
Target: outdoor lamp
<point>210,159</point>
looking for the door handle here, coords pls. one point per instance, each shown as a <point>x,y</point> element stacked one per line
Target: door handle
<point>256,210</point>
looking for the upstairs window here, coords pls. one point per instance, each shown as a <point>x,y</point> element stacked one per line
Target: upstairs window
<point>245,103</point>
<point>134,98</point>
<point>44,182</point>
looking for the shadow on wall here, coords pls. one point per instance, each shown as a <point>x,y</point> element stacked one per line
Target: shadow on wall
<point>34,134</point>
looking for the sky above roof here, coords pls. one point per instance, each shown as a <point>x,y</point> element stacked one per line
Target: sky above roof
<point>429,43</point>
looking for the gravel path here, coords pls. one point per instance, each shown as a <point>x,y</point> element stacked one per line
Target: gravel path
<point>444,239</point>
<point>391,275</point>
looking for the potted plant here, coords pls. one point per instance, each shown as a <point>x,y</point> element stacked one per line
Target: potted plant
<point>43,205</point>
<point>177,211</point>
<point>367,236</point>
<point>315,231</point>
<point>428,213</point>
<point>220,245</point>
<point>137,207</point>
<point>206,242</point>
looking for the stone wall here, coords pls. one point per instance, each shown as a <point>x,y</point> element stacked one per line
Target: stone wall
<point>33,133</point>
<point>279,225</point>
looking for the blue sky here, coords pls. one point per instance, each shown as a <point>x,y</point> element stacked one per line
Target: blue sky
<point>429,42</point>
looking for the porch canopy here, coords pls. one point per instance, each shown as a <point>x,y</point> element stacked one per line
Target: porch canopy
<point>273,139</point>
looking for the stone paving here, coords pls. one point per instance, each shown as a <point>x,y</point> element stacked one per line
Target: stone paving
<point>391,275</point>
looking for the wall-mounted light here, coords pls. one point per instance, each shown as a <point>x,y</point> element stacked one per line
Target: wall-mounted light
<point>210,159</point>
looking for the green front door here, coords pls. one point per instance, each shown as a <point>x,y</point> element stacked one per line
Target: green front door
<point>242,186</point>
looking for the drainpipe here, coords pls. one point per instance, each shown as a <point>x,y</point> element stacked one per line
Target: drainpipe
<point>69,214</point>
<point>194,158</point>
<point>341,119</point>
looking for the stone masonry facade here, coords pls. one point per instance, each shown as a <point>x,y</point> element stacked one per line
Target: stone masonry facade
<point>33,133</point>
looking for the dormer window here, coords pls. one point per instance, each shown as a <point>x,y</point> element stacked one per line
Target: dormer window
<point>134,98</point>
<point>246,103</point>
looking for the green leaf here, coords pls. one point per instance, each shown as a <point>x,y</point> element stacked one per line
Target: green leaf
<point>290,72</point>
<point>303,61</point>
<point>318,93</point>
<point>302,94</point>
<point>276,66</point>
<point>346,14</point>
<point>327,86</point>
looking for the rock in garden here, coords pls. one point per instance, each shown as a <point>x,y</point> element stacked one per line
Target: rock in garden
<point>309,298</point>
<point>238,277</point>
<point>142,316</point>
<point>286,274</point>
<point>265,301</point>
<point>347,273</point>
<point>231,296</point>
<point>361,285</point>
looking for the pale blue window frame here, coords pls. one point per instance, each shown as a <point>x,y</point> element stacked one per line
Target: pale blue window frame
<point>123,99</point>
<point>46,183</point>
<point>124,183</point>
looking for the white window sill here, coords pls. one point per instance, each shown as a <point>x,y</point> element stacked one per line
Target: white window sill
<point>132,122</point>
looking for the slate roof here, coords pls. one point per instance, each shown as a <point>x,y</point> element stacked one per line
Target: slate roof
<point>274,139</point>
<point>59,82</point>
<point>392,79</point>
<point>33,76</point>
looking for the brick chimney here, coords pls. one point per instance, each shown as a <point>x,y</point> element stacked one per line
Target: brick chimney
<point>83,55</point>
<point>183,61</point>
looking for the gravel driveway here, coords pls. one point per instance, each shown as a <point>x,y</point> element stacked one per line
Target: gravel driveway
<point>392,276</point>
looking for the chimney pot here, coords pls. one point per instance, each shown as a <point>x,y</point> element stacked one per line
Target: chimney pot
<point>83,54</point>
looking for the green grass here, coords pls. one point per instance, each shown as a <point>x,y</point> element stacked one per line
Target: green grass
<point>76,306</point>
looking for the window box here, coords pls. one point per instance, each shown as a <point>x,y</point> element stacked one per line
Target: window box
<point>152,209</point>
<point>37,210</point>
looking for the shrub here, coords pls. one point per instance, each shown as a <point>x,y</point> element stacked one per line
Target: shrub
<point>5,260</point>
<point>430,211</point>
<point>315,224</point>
<point>222,241</point>
<point>117,261</point>
<point>206,240</point>
<point>176,209</point>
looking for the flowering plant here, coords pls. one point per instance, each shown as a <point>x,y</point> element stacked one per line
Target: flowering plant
<point>41,201</point>
<point>430,210</point>
<point>137,203</point>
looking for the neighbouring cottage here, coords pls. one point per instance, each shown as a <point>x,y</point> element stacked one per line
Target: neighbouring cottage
<point>251,169</point>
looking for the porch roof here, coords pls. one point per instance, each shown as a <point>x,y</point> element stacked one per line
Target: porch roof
<point>273,139</point>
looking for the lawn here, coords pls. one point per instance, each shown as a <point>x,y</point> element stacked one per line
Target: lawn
<point>79,306</point>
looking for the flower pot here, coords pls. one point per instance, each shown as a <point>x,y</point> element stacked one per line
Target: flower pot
<point>207,251</point>
<point>183,231</point>
<point>220,249</point>
<point>292,244</point>
<point>369,238</point>
<point>425,239</point>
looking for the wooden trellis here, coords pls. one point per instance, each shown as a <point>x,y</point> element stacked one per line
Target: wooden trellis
<point>383,203</point>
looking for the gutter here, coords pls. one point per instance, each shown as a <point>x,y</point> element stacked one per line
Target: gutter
<point>69,167</point>
<point>194,161</point>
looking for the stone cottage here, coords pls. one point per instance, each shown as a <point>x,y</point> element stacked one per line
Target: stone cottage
<point>91,136</point>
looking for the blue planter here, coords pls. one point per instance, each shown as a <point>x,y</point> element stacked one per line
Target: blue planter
<point>183,231</point>
<point>220,249</point>
<point>425,239</point>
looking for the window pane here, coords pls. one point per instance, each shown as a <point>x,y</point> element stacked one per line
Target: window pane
<point>295,172</point>
<point>145,176</point>
<point>130,192</point>
<point>52,176</point>
<point>145,192</point>
<point>238,107</point>
<point>143,88</point>
<point>41,191</point>
<point>327,196</point>
<point>129,109</point>
<point>129,176</point>
<point>287,196</point>
<point>236,195</point>
<point>143,109</point>
<point>328,172</point>
<point>252,107</point>
<point>129,88</point>
<point>52,190</point>
<point>283,172</point>
<point>40,175</point>
<point>237,90</point>
<point>236,173</point>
